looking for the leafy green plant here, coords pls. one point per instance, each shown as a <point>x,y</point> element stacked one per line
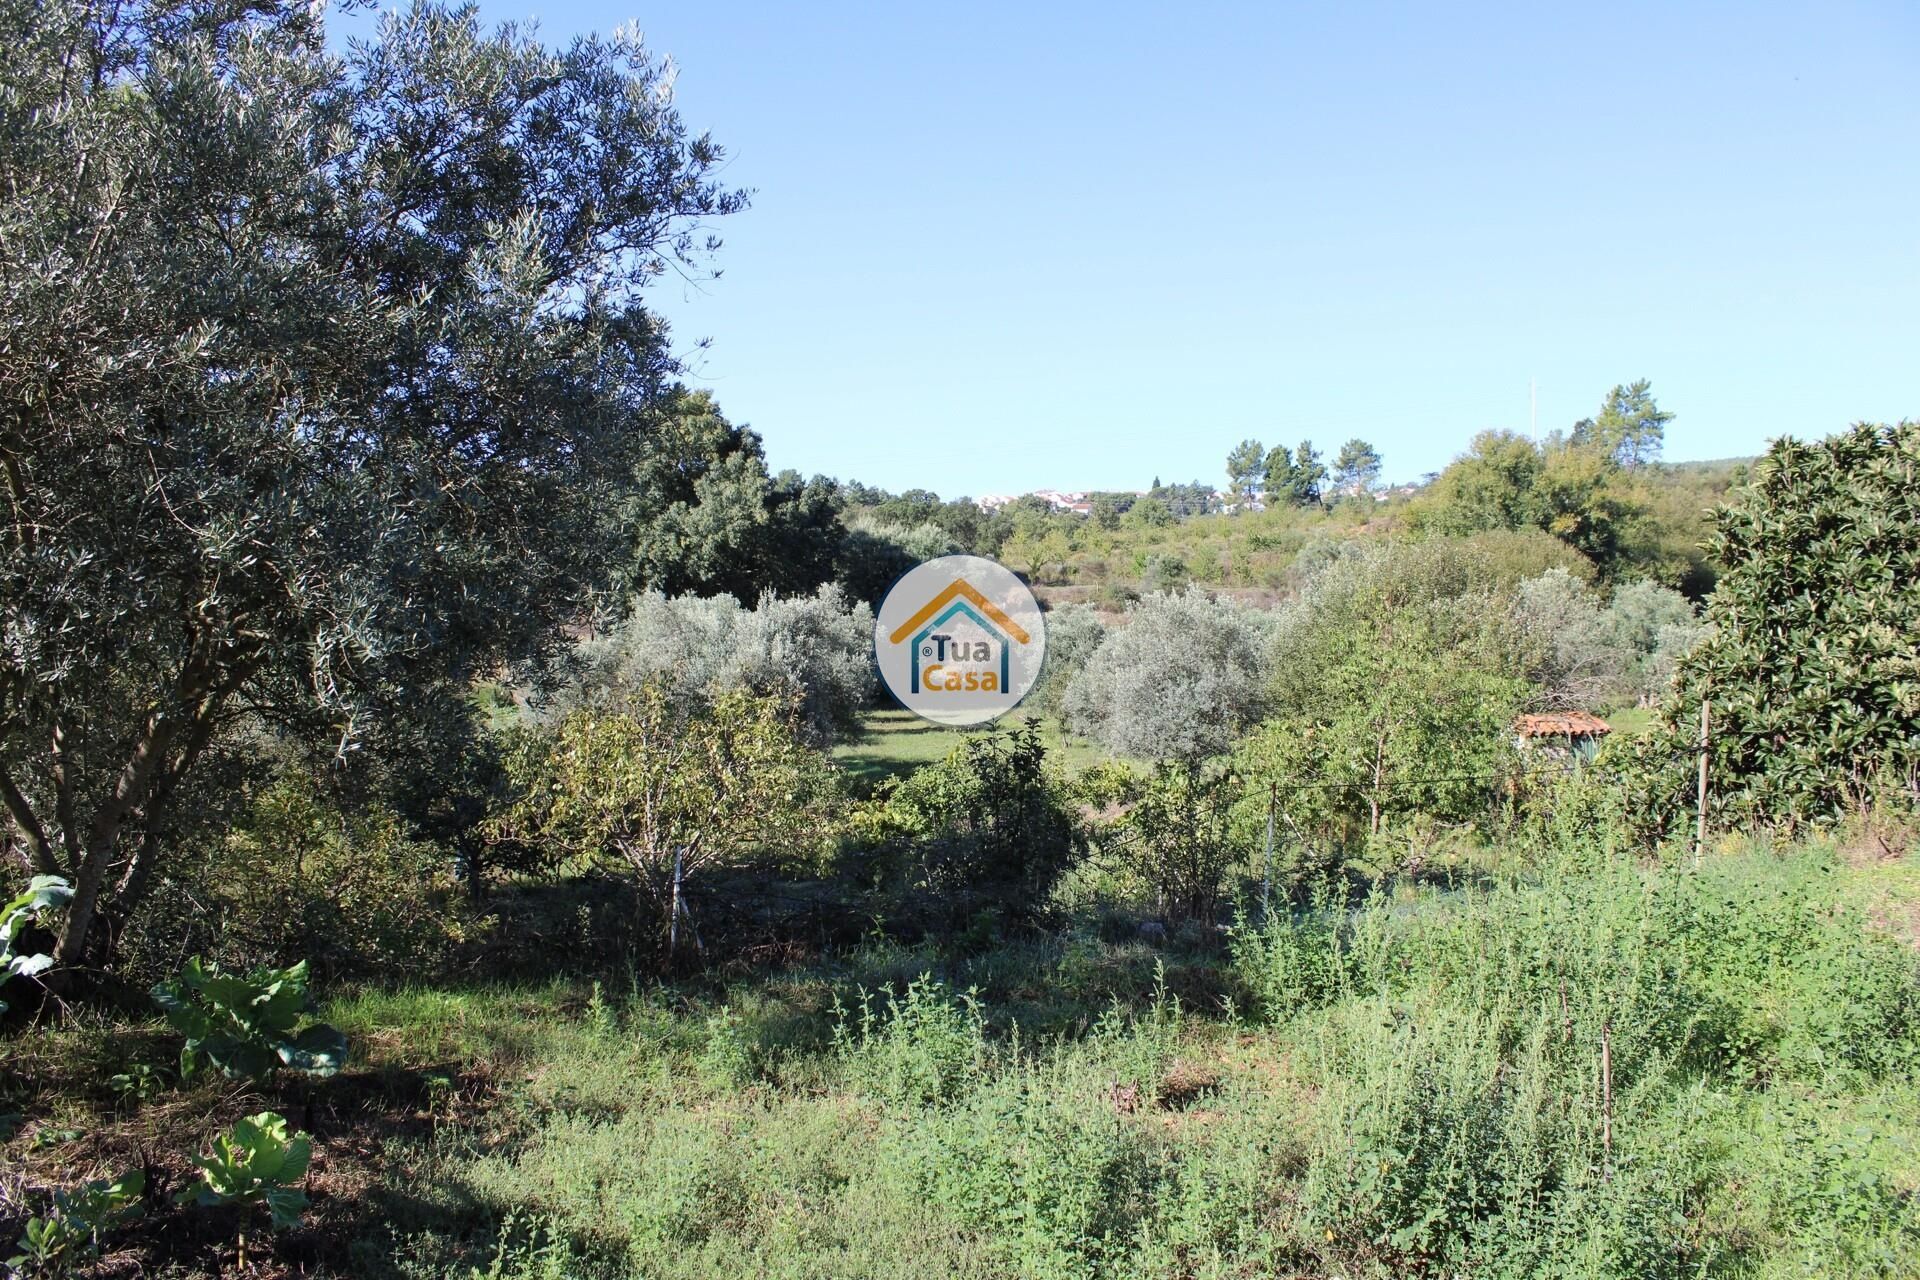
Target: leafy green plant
<point>43,893</point>
<point>923,1050</point>
<point>245,1026</point>
<point>70,1234</point>
<point>256,1162</point>
<point>139,1083</point>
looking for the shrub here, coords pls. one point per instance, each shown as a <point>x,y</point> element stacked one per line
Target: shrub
<point>1176,835</point>
<point>1074,633</point>
<point>306,874</point>
<point>667,788</point>
<point>1809,666</point>
<point>814,653</point>
<point>1038,1165</point>
<point>991,825</point>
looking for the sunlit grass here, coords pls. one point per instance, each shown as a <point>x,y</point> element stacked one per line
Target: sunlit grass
<point>895,742</point>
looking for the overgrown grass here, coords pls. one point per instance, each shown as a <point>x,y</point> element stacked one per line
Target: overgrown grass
<point>1603,1072</point>
<point>1589,1070</point>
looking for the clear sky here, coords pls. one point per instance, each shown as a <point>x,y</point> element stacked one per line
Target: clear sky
<point>1000,247</point>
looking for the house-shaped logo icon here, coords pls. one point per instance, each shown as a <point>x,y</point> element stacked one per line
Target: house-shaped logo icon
<point>959,640</point>
<point>932,650</point>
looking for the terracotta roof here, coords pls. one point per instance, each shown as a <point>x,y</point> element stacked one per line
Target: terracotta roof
<point>1561,724</point>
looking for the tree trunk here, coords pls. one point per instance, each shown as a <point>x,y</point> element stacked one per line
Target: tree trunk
<point>132,786</point>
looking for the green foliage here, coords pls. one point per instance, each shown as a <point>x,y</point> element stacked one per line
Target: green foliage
<point>306,872</point>
<point>258,1161</point>
<point>1246,467</point>
<point>666,788</point>
<point>1506,481</point>
<point>1390,698</point>
<point>1630,427</point>
<point>1074,635</point>
<point>991,820</point>
<point>923,1048</point>
<point>248,1026</point>
<point>57,1243</point>
<point>1177,682</point>
<point>1809,665</point>
<point>1064,1200</point>
<point>42,894</point>
<point>1294,479</point>
<point>389,392</point>
<point>1356,469</point>
<point>815,652</point>
<point>1291,964</point>
<point>1176,835</point>
<point>708,519</point>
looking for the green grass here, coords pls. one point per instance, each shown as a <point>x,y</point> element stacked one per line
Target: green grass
<point>1631,722</point>
<point>895,742</point>
<point>1409,1086</point>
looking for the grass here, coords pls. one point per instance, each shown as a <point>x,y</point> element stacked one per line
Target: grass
<point>1412,1085</point>
<point>1631,722</point>
<point>895,742</point>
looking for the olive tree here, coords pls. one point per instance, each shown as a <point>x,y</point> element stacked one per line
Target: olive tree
<point>318,372</point>
<point>1567,648</point>
<point>1176,682</point>
<point>814,651</point>
<point>1653,627</point>
<point>1074,635</point>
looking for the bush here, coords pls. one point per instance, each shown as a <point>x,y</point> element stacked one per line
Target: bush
<point>1074,633</point>
<point>1809,665</point>
<point>989,826</point>
<point>815,652</point>
<point>664,788</point>
<point>1037,1165</point>
<point>1176,835</point>
<point>305,875</point>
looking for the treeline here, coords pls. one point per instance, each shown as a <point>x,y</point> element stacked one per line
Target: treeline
<point>717,521</point>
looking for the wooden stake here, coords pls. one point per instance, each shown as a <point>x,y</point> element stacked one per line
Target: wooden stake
<point>673,915</point>
<point>1606,1098</point>
<point>1700,805</point>
<point>1266,884</point>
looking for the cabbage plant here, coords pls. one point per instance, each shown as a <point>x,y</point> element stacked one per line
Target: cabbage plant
<point>246,1025</point>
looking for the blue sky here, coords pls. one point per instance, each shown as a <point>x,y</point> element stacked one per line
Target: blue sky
<point>1000,247</point>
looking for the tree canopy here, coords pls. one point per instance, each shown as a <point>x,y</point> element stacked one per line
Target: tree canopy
<point>299,412</point>
<point>1810,666</point>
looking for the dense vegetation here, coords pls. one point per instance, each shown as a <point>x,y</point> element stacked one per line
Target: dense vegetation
<point>452,828</point>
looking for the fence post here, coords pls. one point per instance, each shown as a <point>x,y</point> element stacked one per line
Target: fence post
<point>1606,1098</point>
<point>673,914</point>
<point>1700,803</point>
<point>1266,883</point>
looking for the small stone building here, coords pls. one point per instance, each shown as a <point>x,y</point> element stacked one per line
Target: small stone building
<point>1575,734</point>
